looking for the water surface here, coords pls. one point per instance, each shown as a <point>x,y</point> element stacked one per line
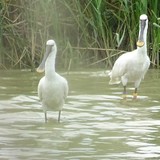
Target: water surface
<point>96,123</point>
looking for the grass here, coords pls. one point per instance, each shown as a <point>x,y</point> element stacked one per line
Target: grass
<point>87,32</point>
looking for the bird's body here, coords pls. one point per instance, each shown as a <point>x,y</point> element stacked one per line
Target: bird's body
<point>132,66</point>
<point>52,93</point>
<point>52,88</point>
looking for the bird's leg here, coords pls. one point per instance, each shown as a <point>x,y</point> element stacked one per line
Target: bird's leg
<point>59,116</point>
<point>135,94</point>
<point>124,92</point>
<point>45,115</point>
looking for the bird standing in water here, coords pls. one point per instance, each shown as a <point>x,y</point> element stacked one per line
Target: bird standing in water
<point>52,88</point>
<point>132,66</point>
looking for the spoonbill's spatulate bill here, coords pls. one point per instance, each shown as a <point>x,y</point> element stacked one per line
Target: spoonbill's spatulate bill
<point>52,88</point>
<point>132,66</point>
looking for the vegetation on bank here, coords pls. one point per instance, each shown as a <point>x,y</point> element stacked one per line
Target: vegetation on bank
<point>87,32</point>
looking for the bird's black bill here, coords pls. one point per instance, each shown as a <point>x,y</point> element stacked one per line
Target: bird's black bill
<point>140,42</point>
<point>41,67</point>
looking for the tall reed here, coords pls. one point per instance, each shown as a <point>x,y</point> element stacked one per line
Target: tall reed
<point>155,33</point>
<point>87,32</point>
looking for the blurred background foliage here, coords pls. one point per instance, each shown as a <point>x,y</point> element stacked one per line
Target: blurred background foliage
<point>88,33</point>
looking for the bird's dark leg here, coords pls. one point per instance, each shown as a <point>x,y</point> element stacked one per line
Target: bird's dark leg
<point>135,94</point>
<point>59,116</point>
<point>124,92</point>
<point>45,115</point>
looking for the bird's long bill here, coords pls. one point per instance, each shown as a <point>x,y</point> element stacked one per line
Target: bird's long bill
<point>41,67</point>
<point>140,42</point>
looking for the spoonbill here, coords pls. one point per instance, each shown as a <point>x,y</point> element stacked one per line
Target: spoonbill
<point>52,88</point>
<point>132,66</point>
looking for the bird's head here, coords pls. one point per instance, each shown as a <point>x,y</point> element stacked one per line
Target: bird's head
<point>143,26</point>
<point>50,48</point>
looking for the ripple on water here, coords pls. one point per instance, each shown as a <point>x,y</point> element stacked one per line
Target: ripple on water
<point>95,123</point>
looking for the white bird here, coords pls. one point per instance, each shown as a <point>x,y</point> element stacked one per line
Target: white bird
<point>132,66</point>
<point>52,88</point>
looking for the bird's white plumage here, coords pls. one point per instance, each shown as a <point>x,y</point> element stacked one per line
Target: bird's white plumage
<point>132,66</point>
<point>52,93</point>
<point>52,88</point>
<point>143,17</point>
<point>50,42</point>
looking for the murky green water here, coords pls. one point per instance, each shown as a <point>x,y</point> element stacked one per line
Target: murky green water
<point>95,123</point>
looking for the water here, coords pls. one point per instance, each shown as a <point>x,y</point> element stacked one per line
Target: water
<point>96,122</point>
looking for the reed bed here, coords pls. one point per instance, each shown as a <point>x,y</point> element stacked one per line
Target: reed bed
<point>87,32</point>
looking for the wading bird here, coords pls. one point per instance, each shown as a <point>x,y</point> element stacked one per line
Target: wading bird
<point>132,66</point>
<point>52,88</point>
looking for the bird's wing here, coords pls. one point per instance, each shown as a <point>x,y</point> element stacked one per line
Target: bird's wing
<point>66,88</point>
<point>122,63</point>
<point>40,88</point>
<point>64,85</point>
<point>120,67</point>
<point>146,66</point>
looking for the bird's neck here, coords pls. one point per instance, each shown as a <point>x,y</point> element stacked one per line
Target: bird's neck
<point>50,66</point>
<point>143,50</point>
